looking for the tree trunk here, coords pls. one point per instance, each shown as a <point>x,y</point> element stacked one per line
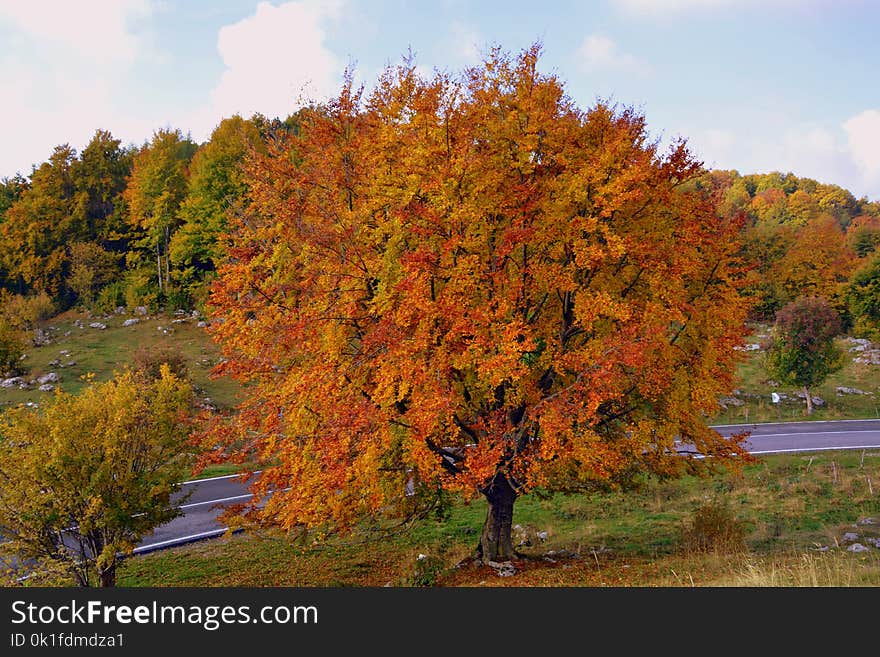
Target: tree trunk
<point>159,266</point>
<point>495,542</point>
<point>809,401</point>
<point>107,576</point>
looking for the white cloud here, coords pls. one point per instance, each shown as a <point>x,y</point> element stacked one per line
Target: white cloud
<point>61,66</point>
<point>847,155</point>
<point>101,31</point>
<point>654,8</point>
<point>863,136</point>
<point>600,53</point>
<point>274,59</point>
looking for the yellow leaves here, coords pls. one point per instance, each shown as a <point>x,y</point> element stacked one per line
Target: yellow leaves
<point>591,305</point>
<point>103,463</point>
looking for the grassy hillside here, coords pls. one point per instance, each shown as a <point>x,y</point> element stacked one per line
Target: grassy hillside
<point>752,400</point>
<point>76,349</point>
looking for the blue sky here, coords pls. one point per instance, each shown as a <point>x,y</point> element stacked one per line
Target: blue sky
<point>755,85</point>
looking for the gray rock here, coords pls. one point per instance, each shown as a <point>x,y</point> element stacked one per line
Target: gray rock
<point>843,390</point>
<point>180,311</point>
<point>542,536</point>
<point>857,547</point>
<point>817,401</point>
<point>849,537</point>
<point>731,401</point>
<point>11,382</point>
<point>40,338</point>
<point>868,358</point>
<point>51,377</point>
<point>873,541</point>
<point>503,568</point>
<point>859,344</point>
<point>140,310</point>
<point>54,363</point>
<point>202,324</point>
<point>47,387</point>
<point>71,363</point>
<point>131,322</point>
<point>120,310</point>
<point>98,325</point>
<point>178,321</point>
<point>195,313</point>
<point>866,521</point>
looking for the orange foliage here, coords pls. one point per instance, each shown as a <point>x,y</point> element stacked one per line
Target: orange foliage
<point>456,281</point>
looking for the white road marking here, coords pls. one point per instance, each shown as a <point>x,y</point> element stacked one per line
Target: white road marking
<point>816,433</point>
<point>816,449</point>
<point>199,481</point>
<point>805,422</point>
<point>217,501</point>
<point>181,539</point>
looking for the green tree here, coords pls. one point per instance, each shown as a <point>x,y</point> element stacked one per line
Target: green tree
<point>91,268</point>
<point>85,478</point>
<point>100,176</point>
<point>156,188</point>
<point>216,188</point>
<point>11,190</point>
<point>863,298</point>
<point>802,350</point>
<point>39,225</point>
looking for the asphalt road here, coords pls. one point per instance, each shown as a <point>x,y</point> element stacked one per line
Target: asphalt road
<point>209,496</point>
<point>808,436</point>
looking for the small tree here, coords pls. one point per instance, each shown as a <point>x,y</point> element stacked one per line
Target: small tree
<point>802,350</point>
<point>87,477</point>
<point>11,349</point>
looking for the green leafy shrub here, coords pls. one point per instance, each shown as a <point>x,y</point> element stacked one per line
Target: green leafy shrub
<point>111,297</point>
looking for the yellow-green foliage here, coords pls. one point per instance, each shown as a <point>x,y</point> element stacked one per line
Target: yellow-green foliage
<point>98,468</point>
<point>25,312</point>
<point>11,348</point>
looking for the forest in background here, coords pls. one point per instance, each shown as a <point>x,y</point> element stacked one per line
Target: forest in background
<point>118,225</point>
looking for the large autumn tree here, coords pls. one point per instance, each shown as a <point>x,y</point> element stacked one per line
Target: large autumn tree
<point>472,285</point>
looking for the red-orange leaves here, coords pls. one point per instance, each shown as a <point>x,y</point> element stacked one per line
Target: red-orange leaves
<point>459,283</point>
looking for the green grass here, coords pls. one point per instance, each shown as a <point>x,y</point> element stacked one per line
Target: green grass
<point>794,510</point>
<point>103,352</point>
<point>755,392</point>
